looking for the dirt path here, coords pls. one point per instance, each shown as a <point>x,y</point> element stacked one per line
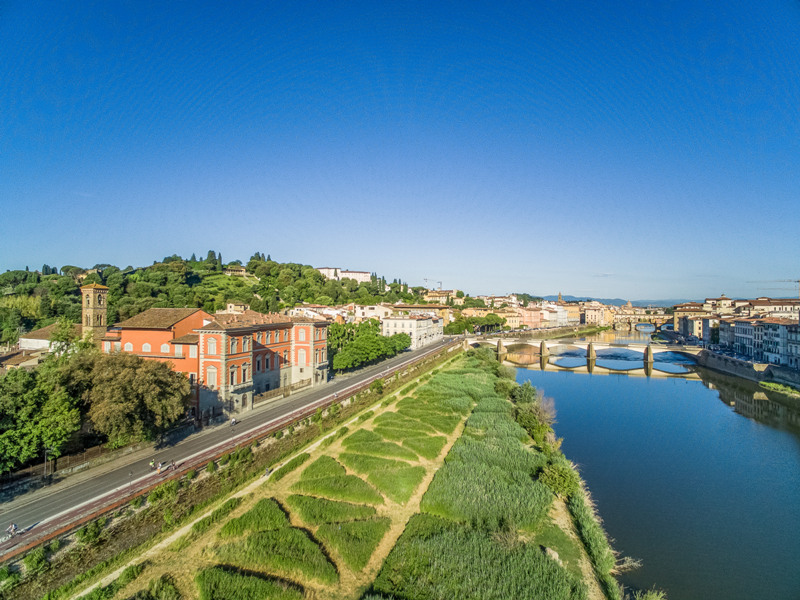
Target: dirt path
<point>561,517</point>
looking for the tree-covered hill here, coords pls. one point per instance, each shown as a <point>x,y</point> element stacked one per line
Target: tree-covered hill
<point>31,299</point>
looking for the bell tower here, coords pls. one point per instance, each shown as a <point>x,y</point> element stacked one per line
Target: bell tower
<point>94,300</point>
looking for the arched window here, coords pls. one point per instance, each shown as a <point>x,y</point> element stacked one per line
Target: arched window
<point>145,347</point>
<point>233,345</point>
<point>244,343</point>
<point>302,334</point>
<point>211,377</point>
<point>286,335</point>
<point>212,345</point>
<point>244,373</point>
<point>164,348</point>
<point>285,355</point>
<point>128,347</point>
<point>258,364</point>
<point>301,356</point>
<point>88,300</point>
<point>100,300</point>
<point>233,376</point>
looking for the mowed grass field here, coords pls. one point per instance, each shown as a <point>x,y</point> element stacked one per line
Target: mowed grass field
<point>433,494</point>
<point>321,525</point>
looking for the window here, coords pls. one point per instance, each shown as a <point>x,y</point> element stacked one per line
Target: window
<point>268,337</point>
<point>211,377</point>
<point>165,348</point>
<point>244,344</point>
<point>145,347</point>
<point>244,374</point>
<point>116,346</point>
<point>302,334</point>
<point>285,354</point>
<point>106,347</point>
<point>212,345</point>
<point>128,347</point>
<point>301,356</point>
<point>258,364</point>
<point>233,345</point>
<point>266,363</point>
<point>286,335</point>
<point>191,378</point>
<point>88,300</point>
<point>178,350</point>
<point>233,376</point>
<point>192,351</point>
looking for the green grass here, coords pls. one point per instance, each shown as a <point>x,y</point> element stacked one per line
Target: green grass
<point>396,420</point>
<point>318,511</point>
<point>223,511</point>
<point>429,447</point>
<point>365,416</point>
<point>398,435</point>
<point>362,463</point>
<point>287,552</point>
<point>550,535</point>
<point>442,423</point>
<point>340,433</point>
<point>383,449</point>
<point>324,466</point>
<point>595,542</point>
<point>397,484</point>
<point>361,436</point>
<point>779,387</point>
<point>348,488</point>
<point>435,559</point>
<point>264,516</point>
<point>355,541</point>
<point>220,584</point>
<point>289,467</point>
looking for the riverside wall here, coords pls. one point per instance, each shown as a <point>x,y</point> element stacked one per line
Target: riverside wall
<point>753,371</point>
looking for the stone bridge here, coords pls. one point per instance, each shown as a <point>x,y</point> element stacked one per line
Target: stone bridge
<point>630,320</point>
<point>549,347</point>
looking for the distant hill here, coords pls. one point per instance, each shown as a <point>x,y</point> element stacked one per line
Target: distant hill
<point>620,301</point>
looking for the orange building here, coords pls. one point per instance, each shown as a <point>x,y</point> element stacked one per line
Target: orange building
<point>229,356</point>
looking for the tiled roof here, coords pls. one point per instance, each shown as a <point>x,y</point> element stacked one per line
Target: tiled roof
<point>45,332</point>
<point>157,318</point>
<point>249,318</point>
<point>189,338</point>
<point>93,286</point>
<point>20,359</point>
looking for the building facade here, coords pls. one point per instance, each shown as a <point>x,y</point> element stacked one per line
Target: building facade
<point>423,329</point>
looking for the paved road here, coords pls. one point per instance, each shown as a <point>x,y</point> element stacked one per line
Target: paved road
<point>47,509</point>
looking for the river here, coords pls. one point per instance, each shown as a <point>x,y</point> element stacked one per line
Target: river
<point>699,478</point>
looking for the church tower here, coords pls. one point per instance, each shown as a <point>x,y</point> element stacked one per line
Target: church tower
<point>94,299</point>
<point>560,300</point>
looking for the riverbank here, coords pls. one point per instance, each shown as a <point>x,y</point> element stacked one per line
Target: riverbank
<point>759,372</point>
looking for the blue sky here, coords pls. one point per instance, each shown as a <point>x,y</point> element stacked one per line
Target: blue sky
<point>630,149</point>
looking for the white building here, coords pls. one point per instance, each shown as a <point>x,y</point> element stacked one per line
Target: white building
<point>376,311</point>
<point>423,329</point>
<point>338,274</point>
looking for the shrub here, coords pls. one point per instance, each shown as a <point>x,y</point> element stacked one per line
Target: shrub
<point>561,479</point>
<point>363,417</point>
<point>264,516</point>
<point>354,541</point>
<point>35,561</point>
<point>224,459</point>
<point>376,386</point>
<point>505,387</point>
<point>290,466</point>
<point>54,546</point>
<point>595,541</point>
<point>90,532</point>
<point>137,502</point>
<point>220,584</point>
<point>332,438</point>
<point>130,574</point>
<point>191,474</point>
<point>288,551</point>
<point>318,511</point>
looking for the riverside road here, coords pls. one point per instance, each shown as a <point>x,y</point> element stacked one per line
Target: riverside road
<point>44,510</point>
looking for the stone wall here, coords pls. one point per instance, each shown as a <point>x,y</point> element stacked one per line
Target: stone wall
<point>747,370</point>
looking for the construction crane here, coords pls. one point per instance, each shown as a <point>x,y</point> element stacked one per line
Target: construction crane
<point>796,281</point>
<point>439,282</point>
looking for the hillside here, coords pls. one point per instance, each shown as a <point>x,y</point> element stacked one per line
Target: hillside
<point>31,300</point>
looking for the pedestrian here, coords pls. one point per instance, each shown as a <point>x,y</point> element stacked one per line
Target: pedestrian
<point>158,471</point>
<point>173,465</point>
<point>233,421</point>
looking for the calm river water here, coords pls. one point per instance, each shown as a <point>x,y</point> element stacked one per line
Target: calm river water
<point>698,478</point>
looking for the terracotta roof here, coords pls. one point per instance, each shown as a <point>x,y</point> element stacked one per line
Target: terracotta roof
<point>93,286</point>
<point>189,338</point>
<point>157,318</point>
<point>21,358</point>
<point>45,332</point>
<point>248,318</point>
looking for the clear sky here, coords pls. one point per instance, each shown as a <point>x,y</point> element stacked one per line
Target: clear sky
<point>630,149</point>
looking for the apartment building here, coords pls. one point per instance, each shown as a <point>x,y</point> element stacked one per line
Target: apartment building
<point>423,329</point>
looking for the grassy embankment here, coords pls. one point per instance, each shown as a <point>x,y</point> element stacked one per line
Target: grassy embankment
<point>353,509</point>
<point>780,388</point>
<point>69,564</point>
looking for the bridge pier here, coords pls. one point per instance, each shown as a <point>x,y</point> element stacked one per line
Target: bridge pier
<point>591,354</point>
<point>543,350</point>
<point>590,364</point>
<point>648,355</point>
<point>501,350</point>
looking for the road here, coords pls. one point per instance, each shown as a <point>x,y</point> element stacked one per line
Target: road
<point>48,509</point>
